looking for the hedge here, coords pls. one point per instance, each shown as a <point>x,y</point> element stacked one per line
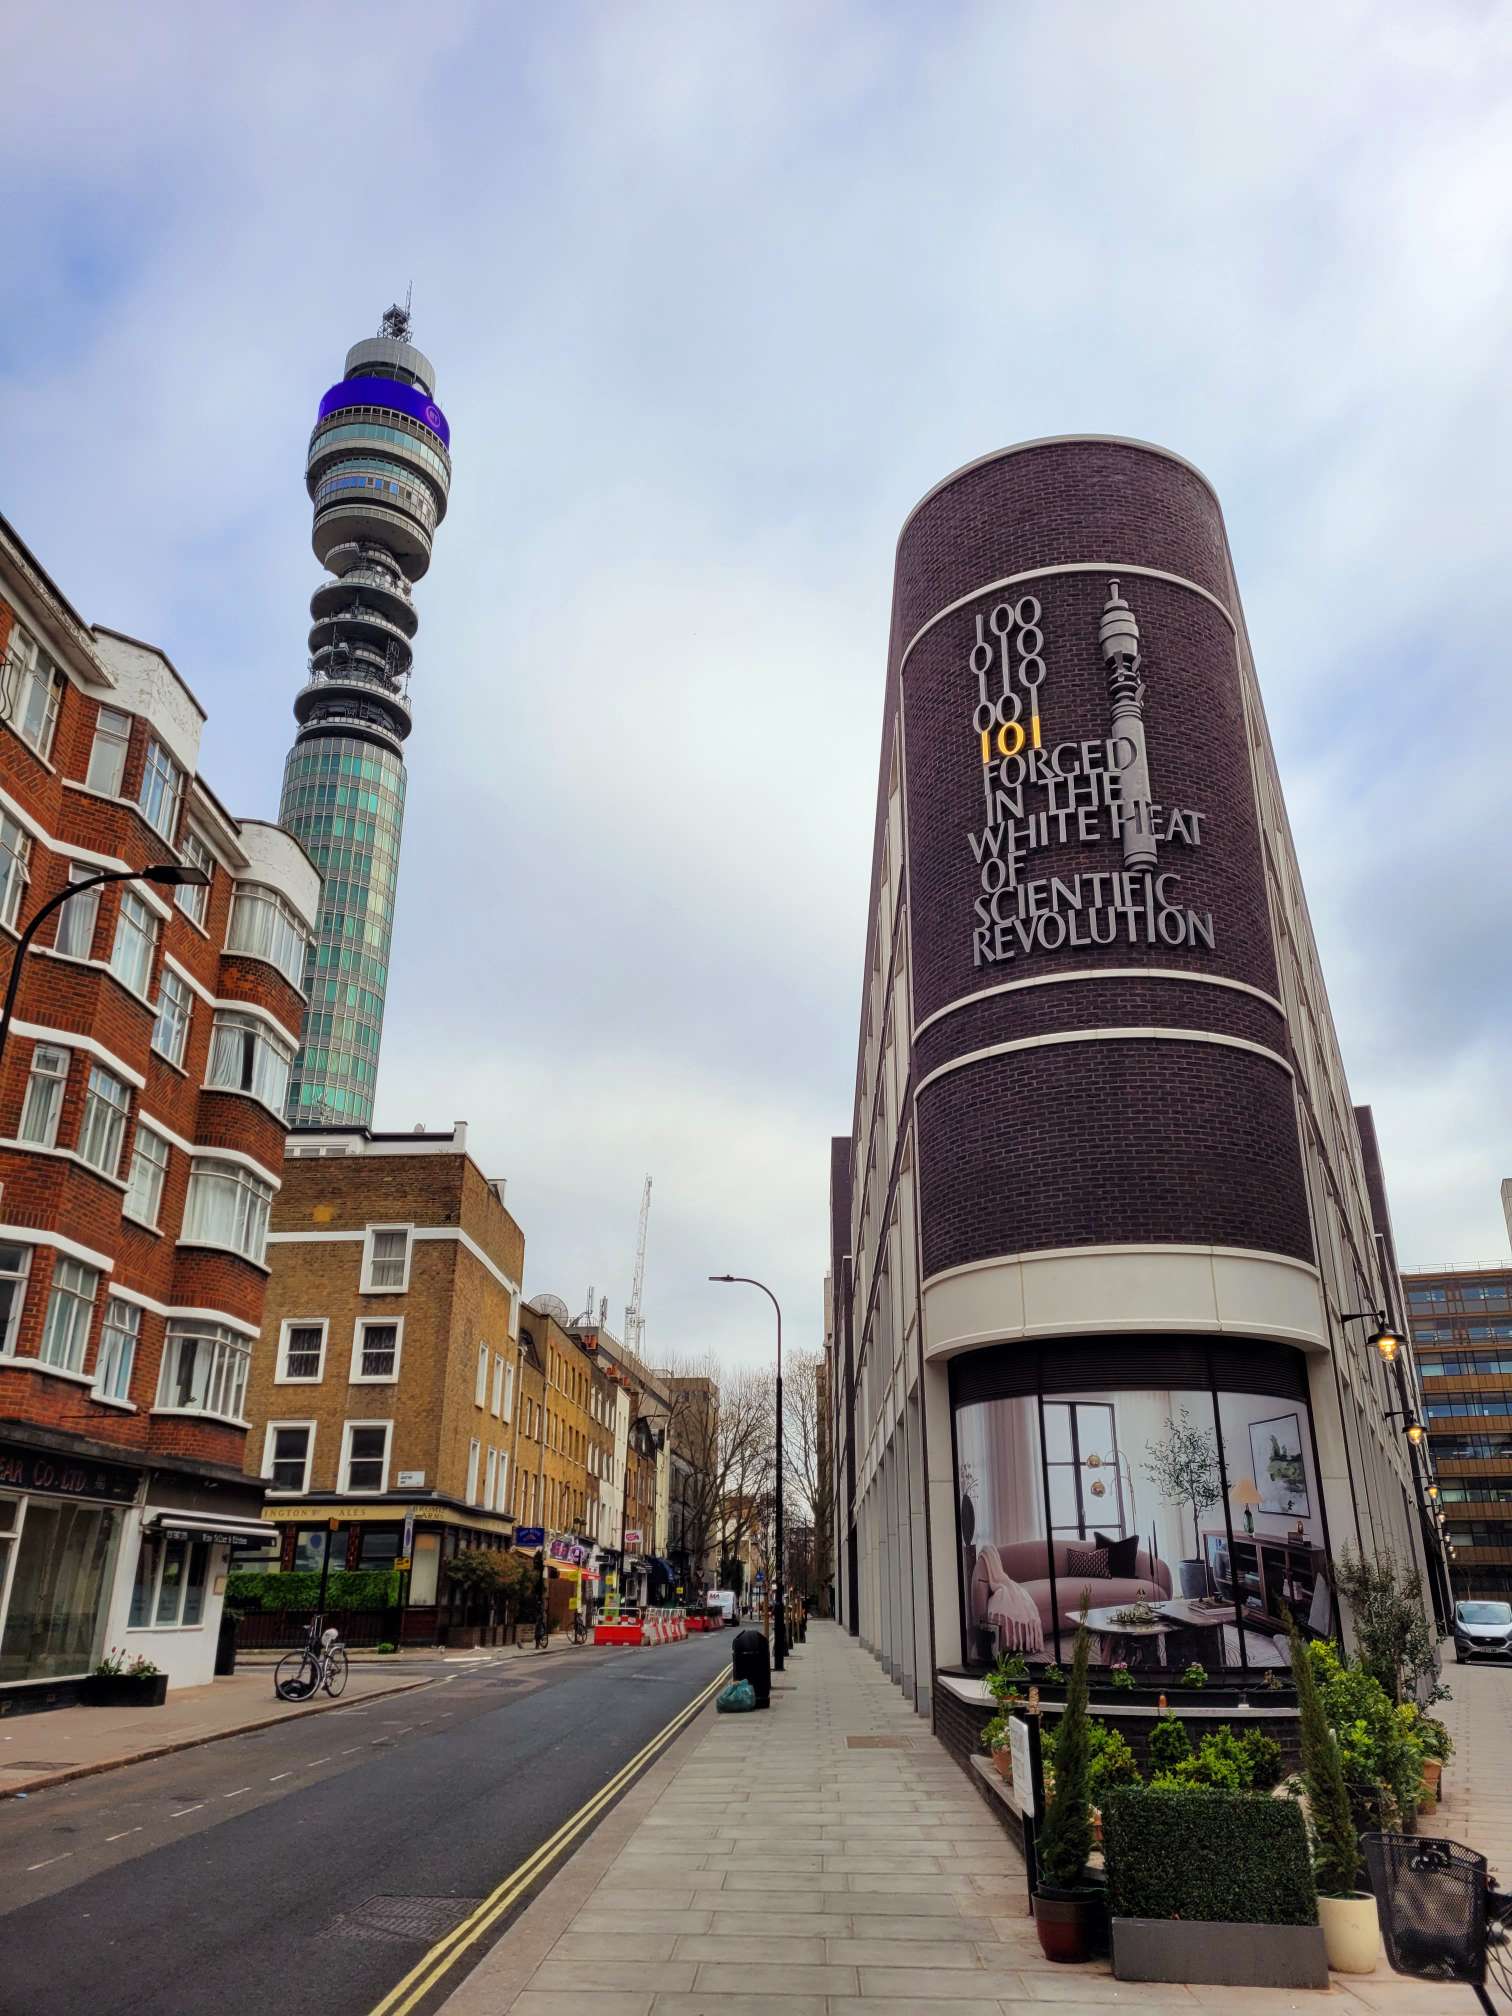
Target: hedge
<point>346,1589</point>
<point>1237,1858</point>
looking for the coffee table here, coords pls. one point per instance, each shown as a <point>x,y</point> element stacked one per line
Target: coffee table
<point>1133,1636</point>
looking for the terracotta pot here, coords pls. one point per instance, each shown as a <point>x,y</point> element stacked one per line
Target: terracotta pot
<point>1097,1840</point>
<point>1071,1924</point>
<point>1351,1932</point>
<point>1003,1759</point>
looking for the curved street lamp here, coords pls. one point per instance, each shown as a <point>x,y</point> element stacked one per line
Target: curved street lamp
<point>167,874</point>
<point>779,1592</point>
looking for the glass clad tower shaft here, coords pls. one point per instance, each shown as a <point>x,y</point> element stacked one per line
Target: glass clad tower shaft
<point>378,473</point>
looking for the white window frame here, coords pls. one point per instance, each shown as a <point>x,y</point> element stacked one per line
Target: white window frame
<point>114,1367</point>
<point>357,1376</point>
<point>77,917</point>
<point>254,1206</point>
<point>509,1387</point>
<point>229,1358</point>
<point>140,1217</point>
<point>270,1434</point>
<point>501,1501</point>
<point>175,1007</point>
<point>161,790</point>
<point>496,1401</point>
<point>69,1280</point>
<point>33,669</point>
<point>282,941</point>
<point>15,853</point>
<point>282,1376</point>
<point>365,1490</point>
<point>21,1275</point>
<point>490,1477</point>
<point>56,1082</point>
<point>98,1087</point>
<point>116,741</point>
<point>480,1387</point>
<point>160,1548</point>
<point>369,1260</point>
<point>246,1057</point>
<point>136,924</point>
<point>192,899</point>
<point>474,1451</point>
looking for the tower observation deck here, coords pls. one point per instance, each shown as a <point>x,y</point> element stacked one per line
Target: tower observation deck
<point>378,473</point>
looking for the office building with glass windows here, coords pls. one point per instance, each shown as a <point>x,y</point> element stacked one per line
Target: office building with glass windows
<point>1461,1322</point>
<point>143,1083</point>
<point>1105,1259</point>
<point>378,472</point>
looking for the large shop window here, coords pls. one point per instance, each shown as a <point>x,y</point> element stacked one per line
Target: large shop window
<point>1169,1491</point>
<point>169,1589</point>
<point>54,1613</point>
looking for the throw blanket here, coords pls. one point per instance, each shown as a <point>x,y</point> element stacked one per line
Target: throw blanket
<point>1016,1614</point>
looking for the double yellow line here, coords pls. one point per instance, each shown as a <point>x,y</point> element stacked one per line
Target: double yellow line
<point>420,1980</point>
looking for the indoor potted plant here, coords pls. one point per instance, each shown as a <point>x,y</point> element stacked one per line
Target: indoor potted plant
<point>1183,1466</point>
<point>119,1682</point>
<point>1351,1931</point>
<point>1070,1914</point>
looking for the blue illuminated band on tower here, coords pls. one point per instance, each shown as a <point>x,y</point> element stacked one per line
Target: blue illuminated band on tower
<point>378,473</point>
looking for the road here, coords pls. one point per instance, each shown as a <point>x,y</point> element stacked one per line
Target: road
<point>313,1864</point>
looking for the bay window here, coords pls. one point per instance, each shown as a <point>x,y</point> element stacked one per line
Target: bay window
<point>118,1342</point>
<point>15,853</point>
<point>70,1308</point>
<point>135,942</point>
<point>162,788</point>
<point>103,1128</point>
<point>38,687</point>
<point>149,1170</point>
<point>245,1056</point>
<point>45,1085</point>
<point>264,927</point>
<point>15,1265</point>
<point>194,899</point>
<point>204,1369</point>
<point>76,920</point>
<point>170,1032</point>
<point>107,754</point>
<point>227,1206</point>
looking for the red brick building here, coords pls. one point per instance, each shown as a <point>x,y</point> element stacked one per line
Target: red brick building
<point>142,1090</point>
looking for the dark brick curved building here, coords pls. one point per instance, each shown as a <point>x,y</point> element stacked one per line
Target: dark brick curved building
<point>1102,1209</point>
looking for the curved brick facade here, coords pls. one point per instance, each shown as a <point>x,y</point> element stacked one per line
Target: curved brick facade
<point>1093,1142</point>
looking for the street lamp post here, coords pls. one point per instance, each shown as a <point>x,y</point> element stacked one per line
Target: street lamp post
<point>1388,1344</point>
<point>168,874</point>
<point>779,1636</point>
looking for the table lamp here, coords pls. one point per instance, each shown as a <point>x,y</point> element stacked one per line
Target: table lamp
<point>1245,1495</point>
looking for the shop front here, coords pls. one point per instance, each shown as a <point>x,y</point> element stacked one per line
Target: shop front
<point>62,1519</point>
<point>332,1536</point>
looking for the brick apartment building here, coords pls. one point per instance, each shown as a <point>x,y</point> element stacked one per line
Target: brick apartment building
<point>1461,1322</point>
<point>141,1144</point>
<point>566,1447</point>
<point>386,1392</point>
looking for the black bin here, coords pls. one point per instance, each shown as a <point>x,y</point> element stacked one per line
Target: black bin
<point>225,1644</point>
<point>750,1659</point>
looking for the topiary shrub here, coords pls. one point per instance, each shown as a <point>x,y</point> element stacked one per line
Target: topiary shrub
<point>1336,1847</point>
<point>346,1589</point>
<point>1266,1768</point>
<point>1111,1763</point>
<point>1169,1744</point>
<point>1237,1858</point>
<point>1065,1838</point>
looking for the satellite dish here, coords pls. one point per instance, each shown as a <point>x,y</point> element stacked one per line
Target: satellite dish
<point>552,1306</point>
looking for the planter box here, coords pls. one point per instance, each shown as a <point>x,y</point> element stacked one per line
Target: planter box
<point>125,1690</point>
<point>463,1637</point>
<point>1229,1956</point>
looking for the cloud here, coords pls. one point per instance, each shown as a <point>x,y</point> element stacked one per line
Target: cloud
<point>714,295</point>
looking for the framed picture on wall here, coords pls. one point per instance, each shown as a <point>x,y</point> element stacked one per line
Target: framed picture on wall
<point>1276,1451</point>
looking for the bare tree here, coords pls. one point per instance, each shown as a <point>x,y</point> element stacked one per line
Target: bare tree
<point>720,1433</point>
<point>810,1484</point>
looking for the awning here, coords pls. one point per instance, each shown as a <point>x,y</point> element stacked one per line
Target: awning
<point>225,1530</point>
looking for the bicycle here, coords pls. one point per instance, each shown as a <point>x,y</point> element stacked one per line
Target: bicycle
<point>321,1662</point>
<point>579,1628</point>
<point>542,1632</point>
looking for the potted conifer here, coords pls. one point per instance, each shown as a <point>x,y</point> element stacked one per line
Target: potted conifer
<point>1351,1933</point>
<point>1070,1914</point>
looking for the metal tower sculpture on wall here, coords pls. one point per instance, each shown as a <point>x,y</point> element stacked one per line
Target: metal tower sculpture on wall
<point>378,472</point>
<point>1118,634</point>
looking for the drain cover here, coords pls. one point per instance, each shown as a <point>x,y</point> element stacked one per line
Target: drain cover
<point>39,1764</point>
<point>879,1742</point>
<point>420,1918</point>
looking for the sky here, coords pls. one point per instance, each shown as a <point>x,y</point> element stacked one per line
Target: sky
<point>715,294</point>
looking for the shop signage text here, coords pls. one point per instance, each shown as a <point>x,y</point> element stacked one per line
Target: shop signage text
<point>64,1476</point>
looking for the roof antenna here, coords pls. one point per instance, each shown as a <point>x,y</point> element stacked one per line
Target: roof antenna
<point>396,320</point>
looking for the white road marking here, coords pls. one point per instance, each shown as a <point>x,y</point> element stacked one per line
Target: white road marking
<point>185,1809</point>
<point>353,1751</point>
<point>279,1774</point>
<point>49,1862</point>
<point>317,1760</point>
<point>121,1836</point>
<point>237,1793</point>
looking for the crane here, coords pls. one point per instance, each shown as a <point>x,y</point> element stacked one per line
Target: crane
<point>635,1322</point>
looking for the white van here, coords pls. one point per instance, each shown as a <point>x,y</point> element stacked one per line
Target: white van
<point>726,1603</point>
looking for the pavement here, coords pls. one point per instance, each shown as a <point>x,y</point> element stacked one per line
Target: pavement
<point>775,1865</point>
<point>1476,1807</point>
<point>56,1744</point>
<point>324,1856</point>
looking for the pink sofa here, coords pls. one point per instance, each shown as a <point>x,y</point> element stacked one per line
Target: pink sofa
<point>1004,1575</point>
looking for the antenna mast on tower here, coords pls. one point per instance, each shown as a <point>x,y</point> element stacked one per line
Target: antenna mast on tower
<point>635,1322</point>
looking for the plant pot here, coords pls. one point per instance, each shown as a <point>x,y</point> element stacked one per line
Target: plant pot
<point>1351,1932</point>
<point>1433,1771</point>
<point>1193,1578</point>
<point>125,1690</point>
<point>1072,1924</point>
<point>1003,1763</point>
<point>1097,1838</point>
